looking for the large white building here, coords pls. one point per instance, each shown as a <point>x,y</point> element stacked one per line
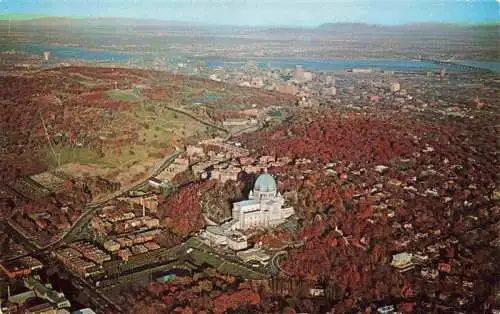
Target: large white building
<point>264,208</point>
<point>395,86</point>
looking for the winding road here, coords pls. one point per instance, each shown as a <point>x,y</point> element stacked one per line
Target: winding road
<point>95,205</point>
<point>89,210</point>
<point>275,262</point>
<point>192,116</point>
<point>92,207</point>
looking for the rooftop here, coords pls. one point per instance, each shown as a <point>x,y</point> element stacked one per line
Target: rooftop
<point>246,203</point>
<point>265,183</point>
<point>253,254</point>
<point>215,230</point>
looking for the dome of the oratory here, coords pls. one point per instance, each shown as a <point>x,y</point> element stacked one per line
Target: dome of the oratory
<point>265,183</point>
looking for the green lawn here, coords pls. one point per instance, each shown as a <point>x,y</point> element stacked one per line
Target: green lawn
<point>202,257</point>
<point>235,270</point>
<point>86,156</point>
<point>67,155</point>
<point>160,126</point>
<point>159,129</point>
<point>223,266</point>
<point>124,95</point>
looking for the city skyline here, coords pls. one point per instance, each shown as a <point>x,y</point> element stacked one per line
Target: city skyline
<point>265,13</point>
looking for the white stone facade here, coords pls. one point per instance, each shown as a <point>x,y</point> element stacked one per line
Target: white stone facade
<point>264,208</point>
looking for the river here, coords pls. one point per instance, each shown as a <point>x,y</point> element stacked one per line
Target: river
<point>344,64</point>
<point>62,52</point>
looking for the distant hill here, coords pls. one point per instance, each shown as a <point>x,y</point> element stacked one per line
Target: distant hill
<point>41,19</point>
<point>362,27</point>
<point>48,21</point>
<point>27,19</point>
<point>20,16</point>
<point>349,26</point>
<point>352,28</point>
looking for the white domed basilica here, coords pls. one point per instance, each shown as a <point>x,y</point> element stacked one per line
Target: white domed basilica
<point>264,208</point>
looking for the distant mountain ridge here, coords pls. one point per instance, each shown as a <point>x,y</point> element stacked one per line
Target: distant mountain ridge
<point>365,26</point>
<point>97,21</point>
<point>20,16</point>
<point>40,19</point>
<point>348,25</point>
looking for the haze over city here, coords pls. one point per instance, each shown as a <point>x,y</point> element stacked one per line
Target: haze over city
<point>249,156</point>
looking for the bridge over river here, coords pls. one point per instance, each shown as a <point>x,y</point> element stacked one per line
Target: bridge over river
<point>448,64</point>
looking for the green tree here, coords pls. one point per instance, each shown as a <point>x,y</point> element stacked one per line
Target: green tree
<point>136,91</point>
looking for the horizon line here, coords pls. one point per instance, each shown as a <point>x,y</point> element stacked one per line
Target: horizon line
<point>38,16</point>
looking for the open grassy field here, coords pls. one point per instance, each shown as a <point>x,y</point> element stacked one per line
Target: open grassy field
<point>124,95</point>
<point>111,119</point>
<point>202,257</point>
<point>201,254</point>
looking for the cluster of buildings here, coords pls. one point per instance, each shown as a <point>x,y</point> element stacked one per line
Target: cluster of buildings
<point>313,88</point>
<point>127,250</point>
<point>207,154</point>
<point>224,161</point>
<point>124,234</point>
<point>149,203</point>
<point>91,252</point>
<point>118,222</point>
<point>255,165</point>
<point>21,267</point>
<point>297,82</point>
<point>46,292</point>
<point>77,263</point>
<point>428,250</point>
<point>225,171</point>
<point>32,296</point>
<point>48,219</point>
<point>118,233</point>
<point>264,208</point>
<point>354,88</point>
<point>230,149</point>
<point>282,80</point>
<point>212,154</point>
<point>132,244</point>
<point>406,261</point>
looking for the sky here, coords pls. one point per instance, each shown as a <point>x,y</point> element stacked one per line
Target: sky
<point>308,13</point>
